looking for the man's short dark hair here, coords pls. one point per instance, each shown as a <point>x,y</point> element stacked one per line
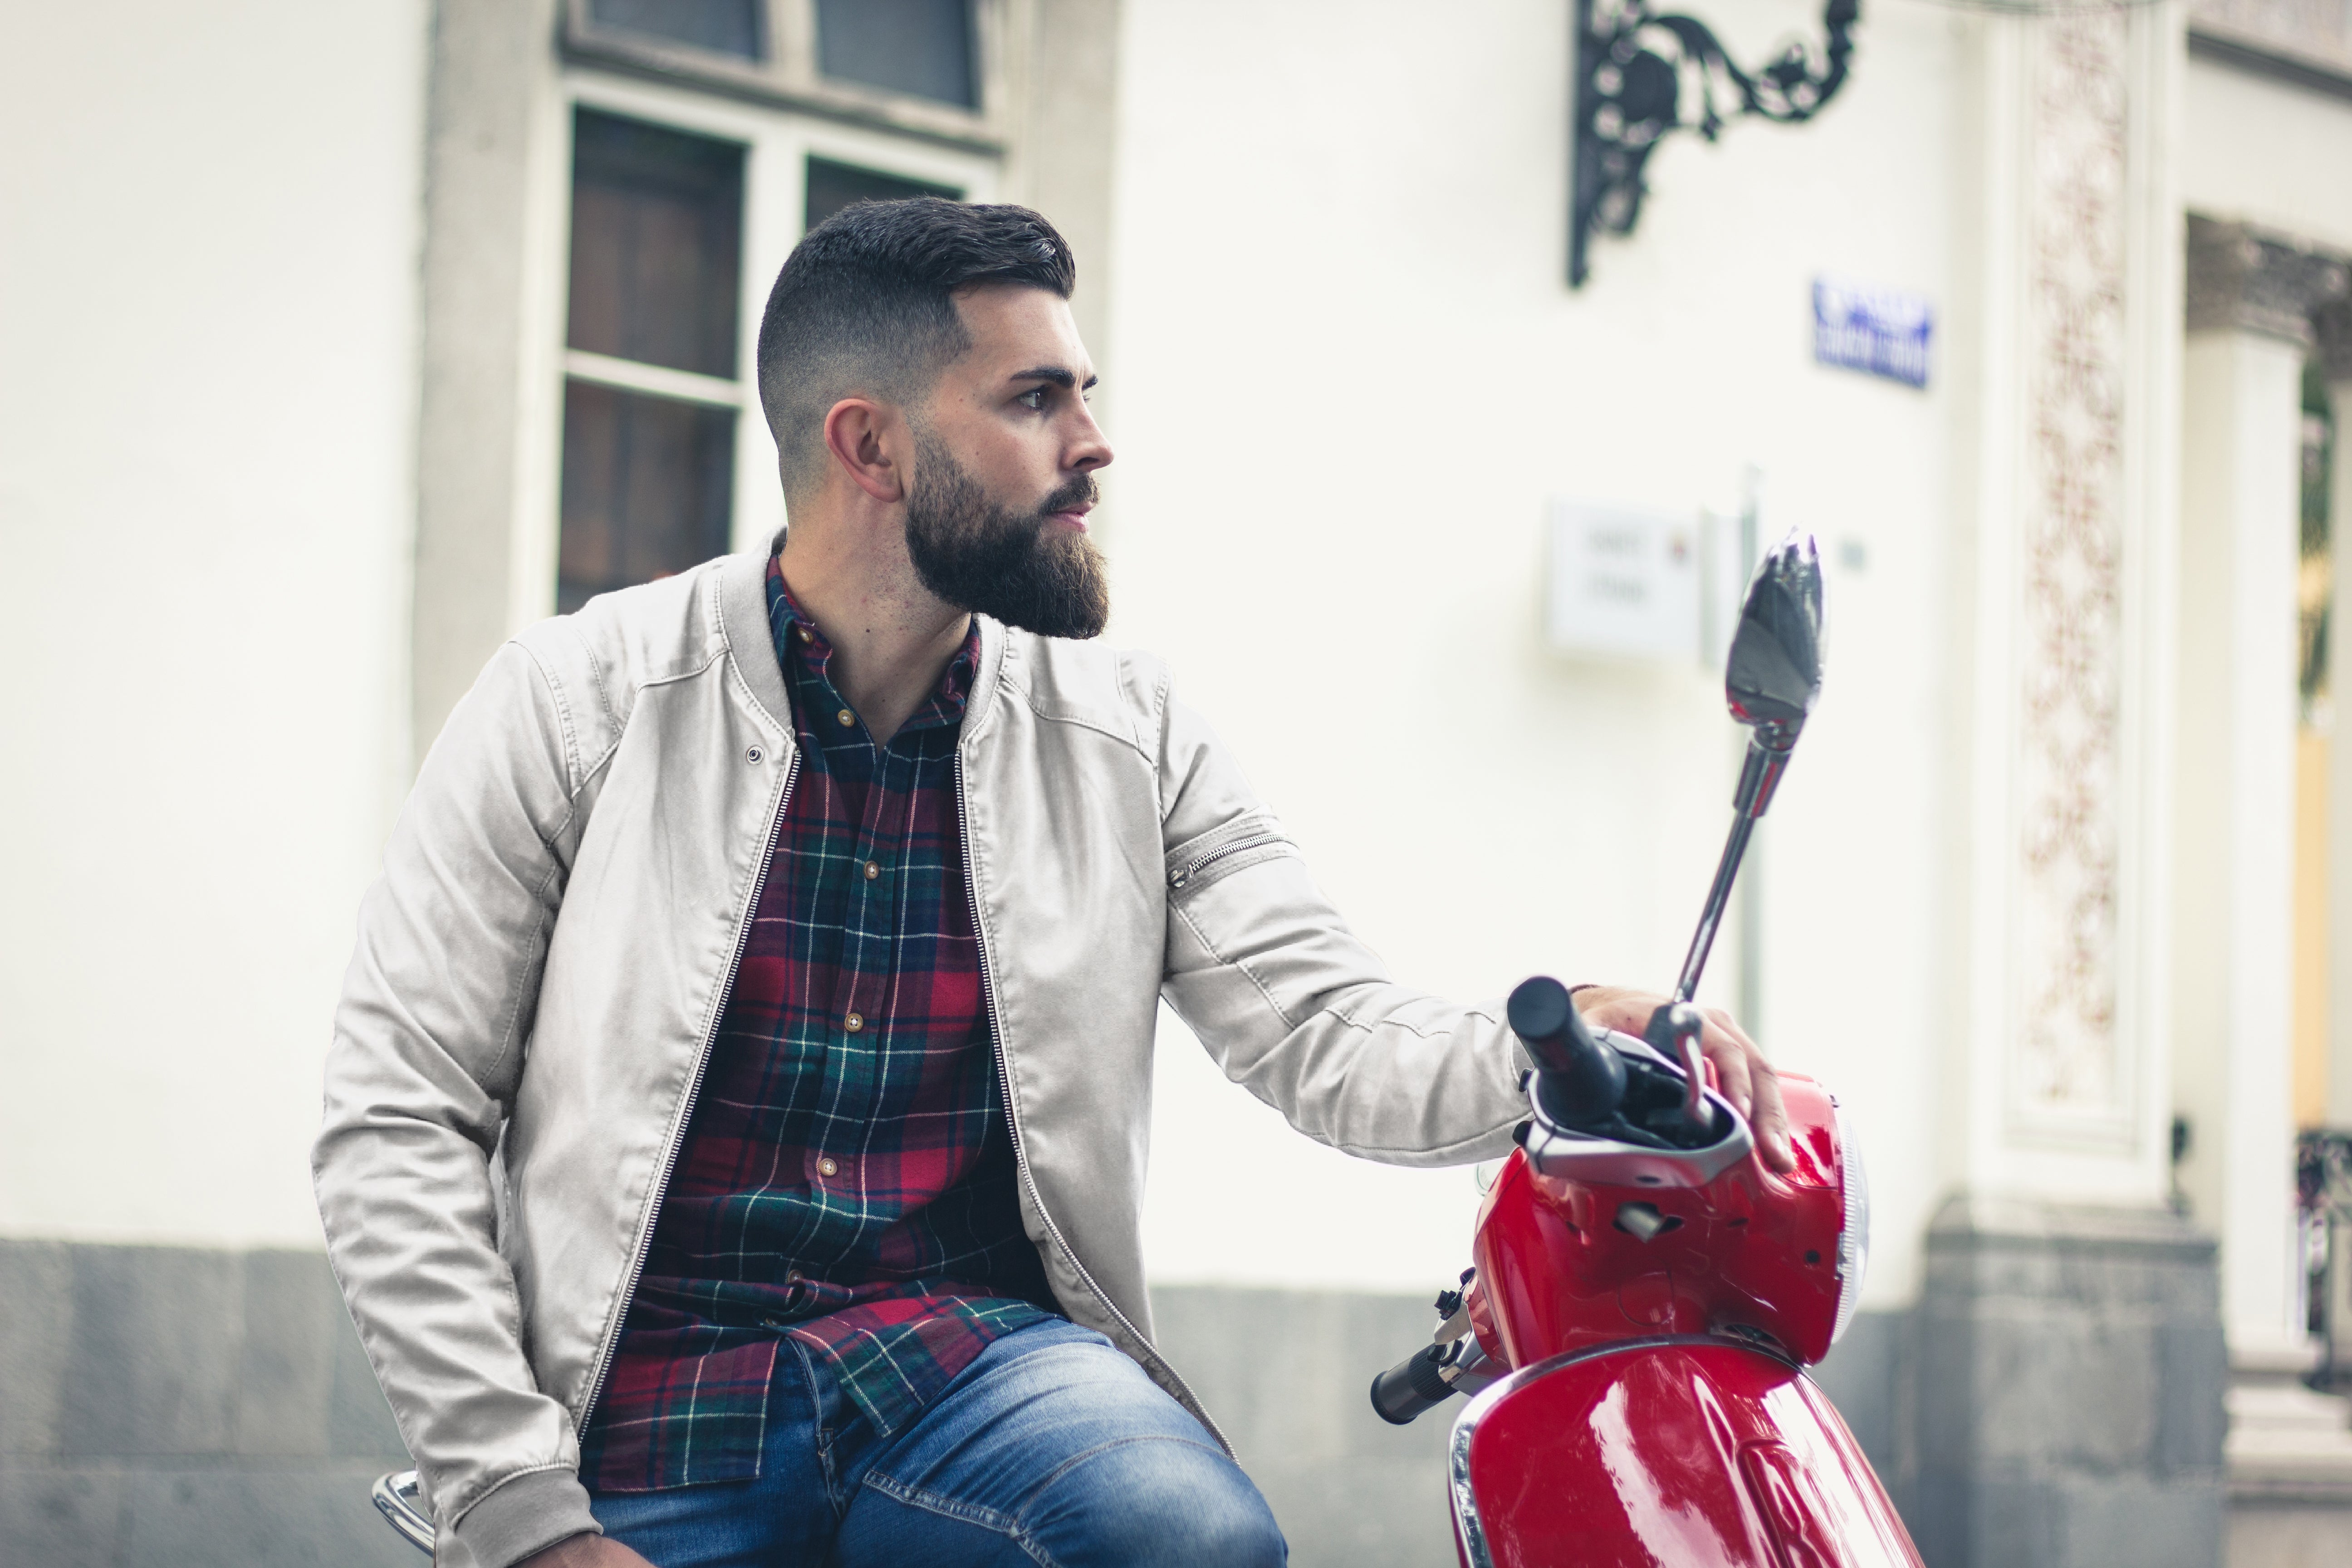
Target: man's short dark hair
<point>866,304</point>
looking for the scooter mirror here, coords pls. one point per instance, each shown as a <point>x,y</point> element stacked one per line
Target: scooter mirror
<point>1771,680</point>
<point>1774,673</point>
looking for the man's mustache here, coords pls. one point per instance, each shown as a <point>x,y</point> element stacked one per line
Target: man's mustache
<point>1080,491</point>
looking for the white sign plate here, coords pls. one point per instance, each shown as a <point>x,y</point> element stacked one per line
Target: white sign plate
<point>1623,582</point>
<point>1629,583</point>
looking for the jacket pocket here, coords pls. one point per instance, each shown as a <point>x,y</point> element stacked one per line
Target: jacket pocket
<point>1209,858</point>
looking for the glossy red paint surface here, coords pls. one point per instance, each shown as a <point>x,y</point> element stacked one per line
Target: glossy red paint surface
<point>1559,1269</point>
<point>1684,1456</point>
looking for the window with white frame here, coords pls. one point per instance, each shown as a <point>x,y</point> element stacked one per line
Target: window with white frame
<point>651,387</point>
<point>682,207</point>
<point>920,65</point>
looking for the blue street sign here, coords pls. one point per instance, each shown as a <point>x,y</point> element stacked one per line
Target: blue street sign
<point>1883,332</point>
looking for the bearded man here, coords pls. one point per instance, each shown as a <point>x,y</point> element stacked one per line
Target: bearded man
<point>736,1115</point>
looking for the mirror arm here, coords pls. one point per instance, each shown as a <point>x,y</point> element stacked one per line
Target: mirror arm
<point>1717,897</point>
<point>1768,758</point>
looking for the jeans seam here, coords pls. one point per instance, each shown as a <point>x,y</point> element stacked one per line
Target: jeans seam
<point>824,1434</point>
<point>1011,1526</point>
<point>1074,1461</point>
<point>963,1512</point>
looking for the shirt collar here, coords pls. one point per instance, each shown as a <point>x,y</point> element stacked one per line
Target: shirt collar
<point>799,640</point>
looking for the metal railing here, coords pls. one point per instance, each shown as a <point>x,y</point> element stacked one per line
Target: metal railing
<point>2323,1188</point>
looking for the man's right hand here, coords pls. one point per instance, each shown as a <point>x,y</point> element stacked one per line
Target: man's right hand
<point>585,1551</point>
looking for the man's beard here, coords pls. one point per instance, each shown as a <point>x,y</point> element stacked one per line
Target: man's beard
<point>979,555</point>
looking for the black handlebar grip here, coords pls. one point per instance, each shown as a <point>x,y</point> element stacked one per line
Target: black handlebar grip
<point>1411,1388</point>
<point>1582,1079</point>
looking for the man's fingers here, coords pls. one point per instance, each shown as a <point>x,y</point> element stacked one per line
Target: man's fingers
<point>1729,1055</point>
<point>1751,1086</point>
<point>1771,1124</point>
<point>1769,1118</point>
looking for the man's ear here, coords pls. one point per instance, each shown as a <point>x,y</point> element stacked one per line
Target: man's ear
<point>864,437</point>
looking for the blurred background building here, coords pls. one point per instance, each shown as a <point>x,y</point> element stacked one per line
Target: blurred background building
<point>339,341</point>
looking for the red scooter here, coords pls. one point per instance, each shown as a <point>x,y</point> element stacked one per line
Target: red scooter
<point>1645,1295</point>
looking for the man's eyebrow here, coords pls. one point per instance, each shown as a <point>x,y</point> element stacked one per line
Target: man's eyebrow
<point>1054,374</point>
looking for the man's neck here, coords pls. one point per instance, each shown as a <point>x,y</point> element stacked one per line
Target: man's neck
<point>891,637</point>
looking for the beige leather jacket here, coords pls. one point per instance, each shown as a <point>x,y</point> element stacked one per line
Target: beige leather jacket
<point>541,967</point>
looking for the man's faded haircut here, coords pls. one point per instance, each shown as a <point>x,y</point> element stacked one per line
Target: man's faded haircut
<point>865,306</point>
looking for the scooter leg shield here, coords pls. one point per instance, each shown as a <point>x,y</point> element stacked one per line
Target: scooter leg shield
<point>1698,1453</point>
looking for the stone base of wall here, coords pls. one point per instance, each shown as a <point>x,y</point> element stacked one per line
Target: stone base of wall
<point>2056,1401</point>
<point>2274,1533</point>
<point>2289,1465</point>
<point>181,1409</point>
<point>169,1407</point>
<point>2066,1391</point>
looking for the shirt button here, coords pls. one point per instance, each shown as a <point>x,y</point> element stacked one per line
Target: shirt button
<point>853,1023</point>
<point>807,636</point>
<point>792,1276</point>
<point>828,1166</point>
<point>873,869</point>
<point>846,718</point>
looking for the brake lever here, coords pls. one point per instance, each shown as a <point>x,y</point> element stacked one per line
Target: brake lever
<point>1673,1033</point>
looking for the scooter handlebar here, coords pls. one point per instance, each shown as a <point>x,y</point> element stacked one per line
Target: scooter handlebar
<point>1581,1081</point>
<point>1413,1387</point>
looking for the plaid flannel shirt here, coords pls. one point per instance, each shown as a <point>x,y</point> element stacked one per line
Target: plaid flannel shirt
<point>846,1181</point>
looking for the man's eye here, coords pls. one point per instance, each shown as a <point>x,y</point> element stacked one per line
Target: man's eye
<point>1034,398</point>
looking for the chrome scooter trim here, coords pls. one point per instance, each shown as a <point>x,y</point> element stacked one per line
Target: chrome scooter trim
<point>1559,1152</point>
<point>396,1497</point>
<point>1466,1425</point>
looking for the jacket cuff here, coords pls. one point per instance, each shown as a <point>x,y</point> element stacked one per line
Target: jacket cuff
<point>529,1513</point>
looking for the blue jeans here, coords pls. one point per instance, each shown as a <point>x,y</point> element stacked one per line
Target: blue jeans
<point>1050,1450</point>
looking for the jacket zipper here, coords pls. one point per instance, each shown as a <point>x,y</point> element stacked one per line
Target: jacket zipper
<point>693,1091</point>
<point>1013,1119</point>
<point>1195,865</point>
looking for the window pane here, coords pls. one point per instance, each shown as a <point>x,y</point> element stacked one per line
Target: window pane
<point>648,489</point>
<point>726,26</point>
<point>918,47</point>
<point>833,186</point>
<point>656,244</point>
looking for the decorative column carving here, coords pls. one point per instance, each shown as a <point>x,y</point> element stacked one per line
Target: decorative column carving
<point>2070,627</point>
<point>2056,1236</point>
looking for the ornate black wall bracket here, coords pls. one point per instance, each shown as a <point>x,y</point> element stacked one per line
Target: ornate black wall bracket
<point>1634,68</point>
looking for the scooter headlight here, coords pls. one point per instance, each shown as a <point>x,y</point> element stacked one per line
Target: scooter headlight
<point>1853,1235</point>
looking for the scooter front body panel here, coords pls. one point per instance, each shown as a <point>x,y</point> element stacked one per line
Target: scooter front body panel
<point>1562,1268</point>
<point>1690,1451</point>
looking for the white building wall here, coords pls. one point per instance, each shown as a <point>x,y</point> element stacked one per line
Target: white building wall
<point>208,325</point>
<point>1347,375</point>
<point>2268,152</point>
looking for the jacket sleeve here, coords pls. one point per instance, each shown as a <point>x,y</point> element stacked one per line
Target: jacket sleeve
<point>428,1047</point>
<point>1292,1006</point>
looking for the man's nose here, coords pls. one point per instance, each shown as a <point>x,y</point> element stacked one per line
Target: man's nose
<point>1092,451</point>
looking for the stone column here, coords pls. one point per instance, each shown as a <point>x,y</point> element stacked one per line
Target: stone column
<point>2250,299</point>
<point>2068,1362</point>
<point>489,265</point>
<point>2249,303</point>
<point>2333,324</point>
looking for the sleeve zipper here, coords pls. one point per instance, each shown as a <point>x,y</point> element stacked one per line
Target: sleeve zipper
<point>1182,875</point>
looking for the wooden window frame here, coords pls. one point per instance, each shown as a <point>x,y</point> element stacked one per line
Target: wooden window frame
<point>789,77</point>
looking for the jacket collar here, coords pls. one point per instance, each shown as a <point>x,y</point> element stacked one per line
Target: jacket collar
<point>740,605</point>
